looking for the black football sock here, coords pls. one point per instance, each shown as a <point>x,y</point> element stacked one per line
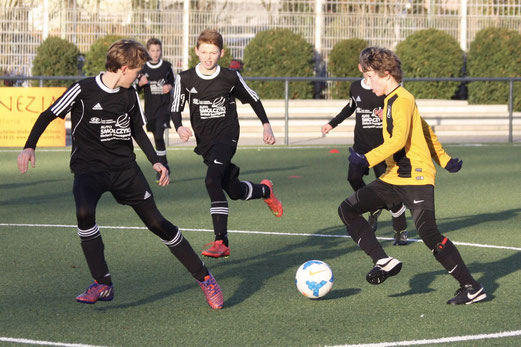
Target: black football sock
<point>361,232</point>
<point>264,191</point>
<point>93,249</point>
<point>219,212</point>
<point>254,191</point>
<point>184,252</point>
<point>399,218</point>
<point>449,257</point>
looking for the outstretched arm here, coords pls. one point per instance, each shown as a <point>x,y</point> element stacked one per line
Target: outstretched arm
<point>27,154</point>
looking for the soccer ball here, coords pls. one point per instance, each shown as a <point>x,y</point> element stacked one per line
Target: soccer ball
<point>314,279</point>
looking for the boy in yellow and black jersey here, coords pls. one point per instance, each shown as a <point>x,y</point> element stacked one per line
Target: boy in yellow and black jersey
<point>408,148</point>
<point>411,164</point>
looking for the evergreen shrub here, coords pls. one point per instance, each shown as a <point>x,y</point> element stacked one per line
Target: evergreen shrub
<point>494,52</point>
<point>96,57</point>
<point>56,57</point>
<point>431,53</point>
<point>279,53</point>
<point>343,62</point>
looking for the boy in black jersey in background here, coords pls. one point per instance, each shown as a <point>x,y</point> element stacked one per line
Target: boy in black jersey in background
<point>106,116</point>
<point>368,134</point>
<point>211,91</point>
<point>408,149</point>
<point>157,79</point>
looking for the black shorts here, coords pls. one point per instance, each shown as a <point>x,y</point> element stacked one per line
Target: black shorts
<point>159,122</point>
<point>220,154</point>
<point>129,187</point>
<point>413,196</point>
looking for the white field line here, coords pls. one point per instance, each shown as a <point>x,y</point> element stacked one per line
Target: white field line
<point>440,340</point>
<point>251,232</point>
<point>43,343</point>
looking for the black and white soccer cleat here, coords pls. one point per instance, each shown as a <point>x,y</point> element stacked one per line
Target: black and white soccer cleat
<point>468,295</point>
<point>384,268</point>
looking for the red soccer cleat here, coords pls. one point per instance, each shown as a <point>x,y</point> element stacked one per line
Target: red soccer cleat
<point>95,292</point>
<point>273,203</point>
<point>212,291</point>
<point>218,250</point>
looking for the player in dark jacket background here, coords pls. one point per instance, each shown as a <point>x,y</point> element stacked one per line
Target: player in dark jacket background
<point>211,91</point>
<point>368,134</point>
<point>157,78</point>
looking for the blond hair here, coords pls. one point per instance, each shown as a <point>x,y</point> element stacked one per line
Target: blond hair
<point>126,52</point>
<point>381,60</point>
<point>212,37</point>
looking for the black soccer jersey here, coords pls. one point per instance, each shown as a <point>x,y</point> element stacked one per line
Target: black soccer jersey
<point>213,111</point>
<point>103,123</point>
<point>156,102</point>
<point>368,127</point>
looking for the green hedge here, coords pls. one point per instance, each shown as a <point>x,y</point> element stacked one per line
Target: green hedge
<point>495,52</point>
<point>56,57</point>
<point>224,61</point>
<point>97,55</point>
<point>279,52</point>
<point>343,62</point>
<point>431,53</point>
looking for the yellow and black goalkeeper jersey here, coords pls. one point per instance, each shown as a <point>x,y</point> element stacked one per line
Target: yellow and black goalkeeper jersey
<point>409,143</point>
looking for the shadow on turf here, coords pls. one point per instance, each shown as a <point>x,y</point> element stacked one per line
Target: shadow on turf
<point>256,270</point>
<point>340,293</point>
<point>487,274</point>
<point>26,184</point>
<point>457,223</point>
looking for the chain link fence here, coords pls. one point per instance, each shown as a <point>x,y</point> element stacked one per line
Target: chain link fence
<point>24,24</point>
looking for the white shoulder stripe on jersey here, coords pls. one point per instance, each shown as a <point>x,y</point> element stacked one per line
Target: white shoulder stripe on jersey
<point>248,89</point>
<point>81,118</point>
<point>141,109</point>
<point>66,100</point>
<point>177,94</point>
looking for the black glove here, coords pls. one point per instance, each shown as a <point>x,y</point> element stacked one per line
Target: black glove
<point>454,165</point>
<point>357,158</point>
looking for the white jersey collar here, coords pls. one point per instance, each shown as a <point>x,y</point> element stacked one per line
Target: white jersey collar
<point>104,87</point>
<point>155,66</point>
<point>207,77</point>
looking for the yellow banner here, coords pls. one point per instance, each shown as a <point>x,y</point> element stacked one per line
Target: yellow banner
<point>19,109</point>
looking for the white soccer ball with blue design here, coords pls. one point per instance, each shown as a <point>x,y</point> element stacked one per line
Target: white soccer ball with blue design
<point>314,279</point>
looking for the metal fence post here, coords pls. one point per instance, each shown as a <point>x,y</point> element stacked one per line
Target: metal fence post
<point>511,111</point>
<point>286,111</point>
